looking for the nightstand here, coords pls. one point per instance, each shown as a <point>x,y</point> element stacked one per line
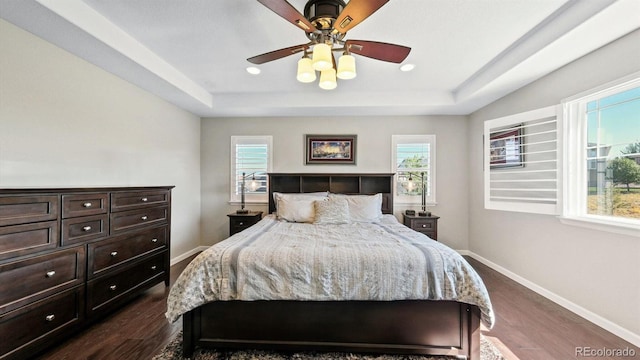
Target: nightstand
<point>427,225</point>
<point>239,222</point>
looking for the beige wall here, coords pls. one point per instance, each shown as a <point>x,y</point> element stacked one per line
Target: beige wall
<point>67,123</point>
<point>373,155</point>
<point>595,272</point>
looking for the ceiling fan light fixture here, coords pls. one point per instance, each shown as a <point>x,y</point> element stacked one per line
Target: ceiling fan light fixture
<point>322,58</point>
<point>306,73</point>
<point>328,79</point>
<point>346,67</point>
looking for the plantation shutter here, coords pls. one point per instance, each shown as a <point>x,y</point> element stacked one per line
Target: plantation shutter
<point>522,162</point>
<point>251,157</point>
<point>414,156</point>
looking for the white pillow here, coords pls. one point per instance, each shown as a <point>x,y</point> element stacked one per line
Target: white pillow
<point>332,211</point>
<point>298,196</point>
<point>363,208</point>
<point>297,210</point>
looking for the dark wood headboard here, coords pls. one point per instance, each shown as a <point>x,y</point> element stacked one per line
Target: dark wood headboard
<point>354,184</point>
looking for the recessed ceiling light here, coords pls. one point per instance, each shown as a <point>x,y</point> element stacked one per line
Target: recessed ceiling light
<point>407,67</point>
<point>253,70</point>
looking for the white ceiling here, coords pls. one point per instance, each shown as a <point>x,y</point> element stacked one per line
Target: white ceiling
<point>193,53</point>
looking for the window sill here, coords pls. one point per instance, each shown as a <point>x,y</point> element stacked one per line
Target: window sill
<point>618,227</point>
<point>232,202</point>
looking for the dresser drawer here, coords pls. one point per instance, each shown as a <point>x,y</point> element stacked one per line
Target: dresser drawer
<point>427,225</point>
<point>423,225</point>
<point>27,209</point>
<point>134,219</point>
<point>25,281</point>
<point>18,240</point>
<point>102,293</point>
<point>48,317</point>
<point>129,200</point>
<point>81,229</point>
<point>105,255</point>
<point>75,205</point>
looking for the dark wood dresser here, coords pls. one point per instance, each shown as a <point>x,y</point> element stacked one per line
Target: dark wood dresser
<point>70,256</point>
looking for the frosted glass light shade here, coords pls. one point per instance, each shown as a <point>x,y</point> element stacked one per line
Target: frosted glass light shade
<point>328,79</point>
<point>254,184</point>
<point>346,67</point>
<point>322,57</point>
<point>306,73</point>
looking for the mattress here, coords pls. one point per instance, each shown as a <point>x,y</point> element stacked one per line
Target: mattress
<point>279,260</point>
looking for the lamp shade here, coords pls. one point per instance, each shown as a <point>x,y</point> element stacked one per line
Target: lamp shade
<point>328,79</point>
<point>306,73</point>
<point>346,67</point>
<point>409,184</point>
<point>254,184</point>
<point>322,59</point>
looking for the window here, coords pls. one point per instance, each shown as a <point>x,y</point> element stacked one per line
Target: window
<point>603,156</point>
<point>250,155</point>
<point>521,168</point>
<point>414,156</point>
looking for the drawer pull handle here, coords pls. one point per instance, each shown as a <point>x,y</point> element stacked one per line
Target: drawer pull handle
<point>154,267</point>
<point>114,253</point>
<point>240,223</point>
<point>86,228</point>
<point>112,287</point>
<point>87,204</point>
<point>144,217</point>
<point>154,240</point>
<point>144,199</point>
<point>50,273</point>
<point>50,318</point>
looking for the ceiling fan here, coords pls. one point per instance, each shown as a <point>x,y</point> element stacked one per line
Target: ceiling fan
<point>325,23</point>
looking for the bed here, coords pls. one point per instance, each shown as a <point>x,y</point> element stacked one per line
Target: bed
<point>257,290</point>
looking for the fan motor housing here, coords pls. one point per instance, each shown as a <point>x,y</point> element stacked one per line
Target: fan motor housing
<point>322,13</point>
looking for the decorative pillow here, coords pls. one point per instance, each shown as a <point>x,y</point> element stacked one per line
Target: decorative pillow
<point>308,197</point>
<point>295,210</point>
<point>332,211</point>
<point>298,196</point>
<point>363,208</point>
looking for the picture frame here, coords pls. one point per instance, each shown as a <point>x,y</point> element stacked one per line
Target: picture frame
<point>506,148</point>
<point>330,149</point>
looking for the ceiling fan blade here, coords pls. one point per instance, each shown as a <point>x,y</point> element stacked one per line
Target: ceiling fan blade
<point>289,13</point>
<point>378,50</point>
<point>355,12</point>
<point>277,54</point>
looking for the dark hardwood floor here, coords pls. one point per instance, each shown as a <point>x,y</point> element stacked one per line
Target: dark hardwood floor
<point>528,326</point>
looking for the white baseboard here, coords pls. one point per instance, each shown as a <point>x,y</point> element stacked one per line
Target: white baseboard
<point>179,258</point>
<point>571,306</point>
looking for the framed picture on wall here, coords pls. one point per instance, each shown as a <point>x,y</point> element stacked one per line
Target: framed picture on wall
<point>330,149</point>
<point>506,148</point>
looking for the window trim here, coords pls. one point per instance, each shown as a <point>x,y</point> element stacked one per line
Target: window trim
<point>403,139</point>
<point>234,199</point>
<point>520,120</point>
<point>574,150</point>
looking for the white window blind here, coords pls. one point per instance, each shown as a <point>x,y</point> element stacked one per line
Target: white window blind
<point>522,162</point>
<point>414,157</point>
<point>251,156</point>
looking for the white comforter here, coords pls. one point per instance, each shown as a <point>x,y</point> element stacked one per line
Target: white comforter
<point>277,260</point>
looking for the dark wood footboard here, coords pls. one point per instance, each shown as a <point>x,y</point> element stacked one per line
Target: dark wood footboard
<point>393,327</point>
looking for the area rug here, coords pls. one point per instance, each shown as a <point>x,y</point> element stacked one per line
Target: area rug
<point>173,351</point>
